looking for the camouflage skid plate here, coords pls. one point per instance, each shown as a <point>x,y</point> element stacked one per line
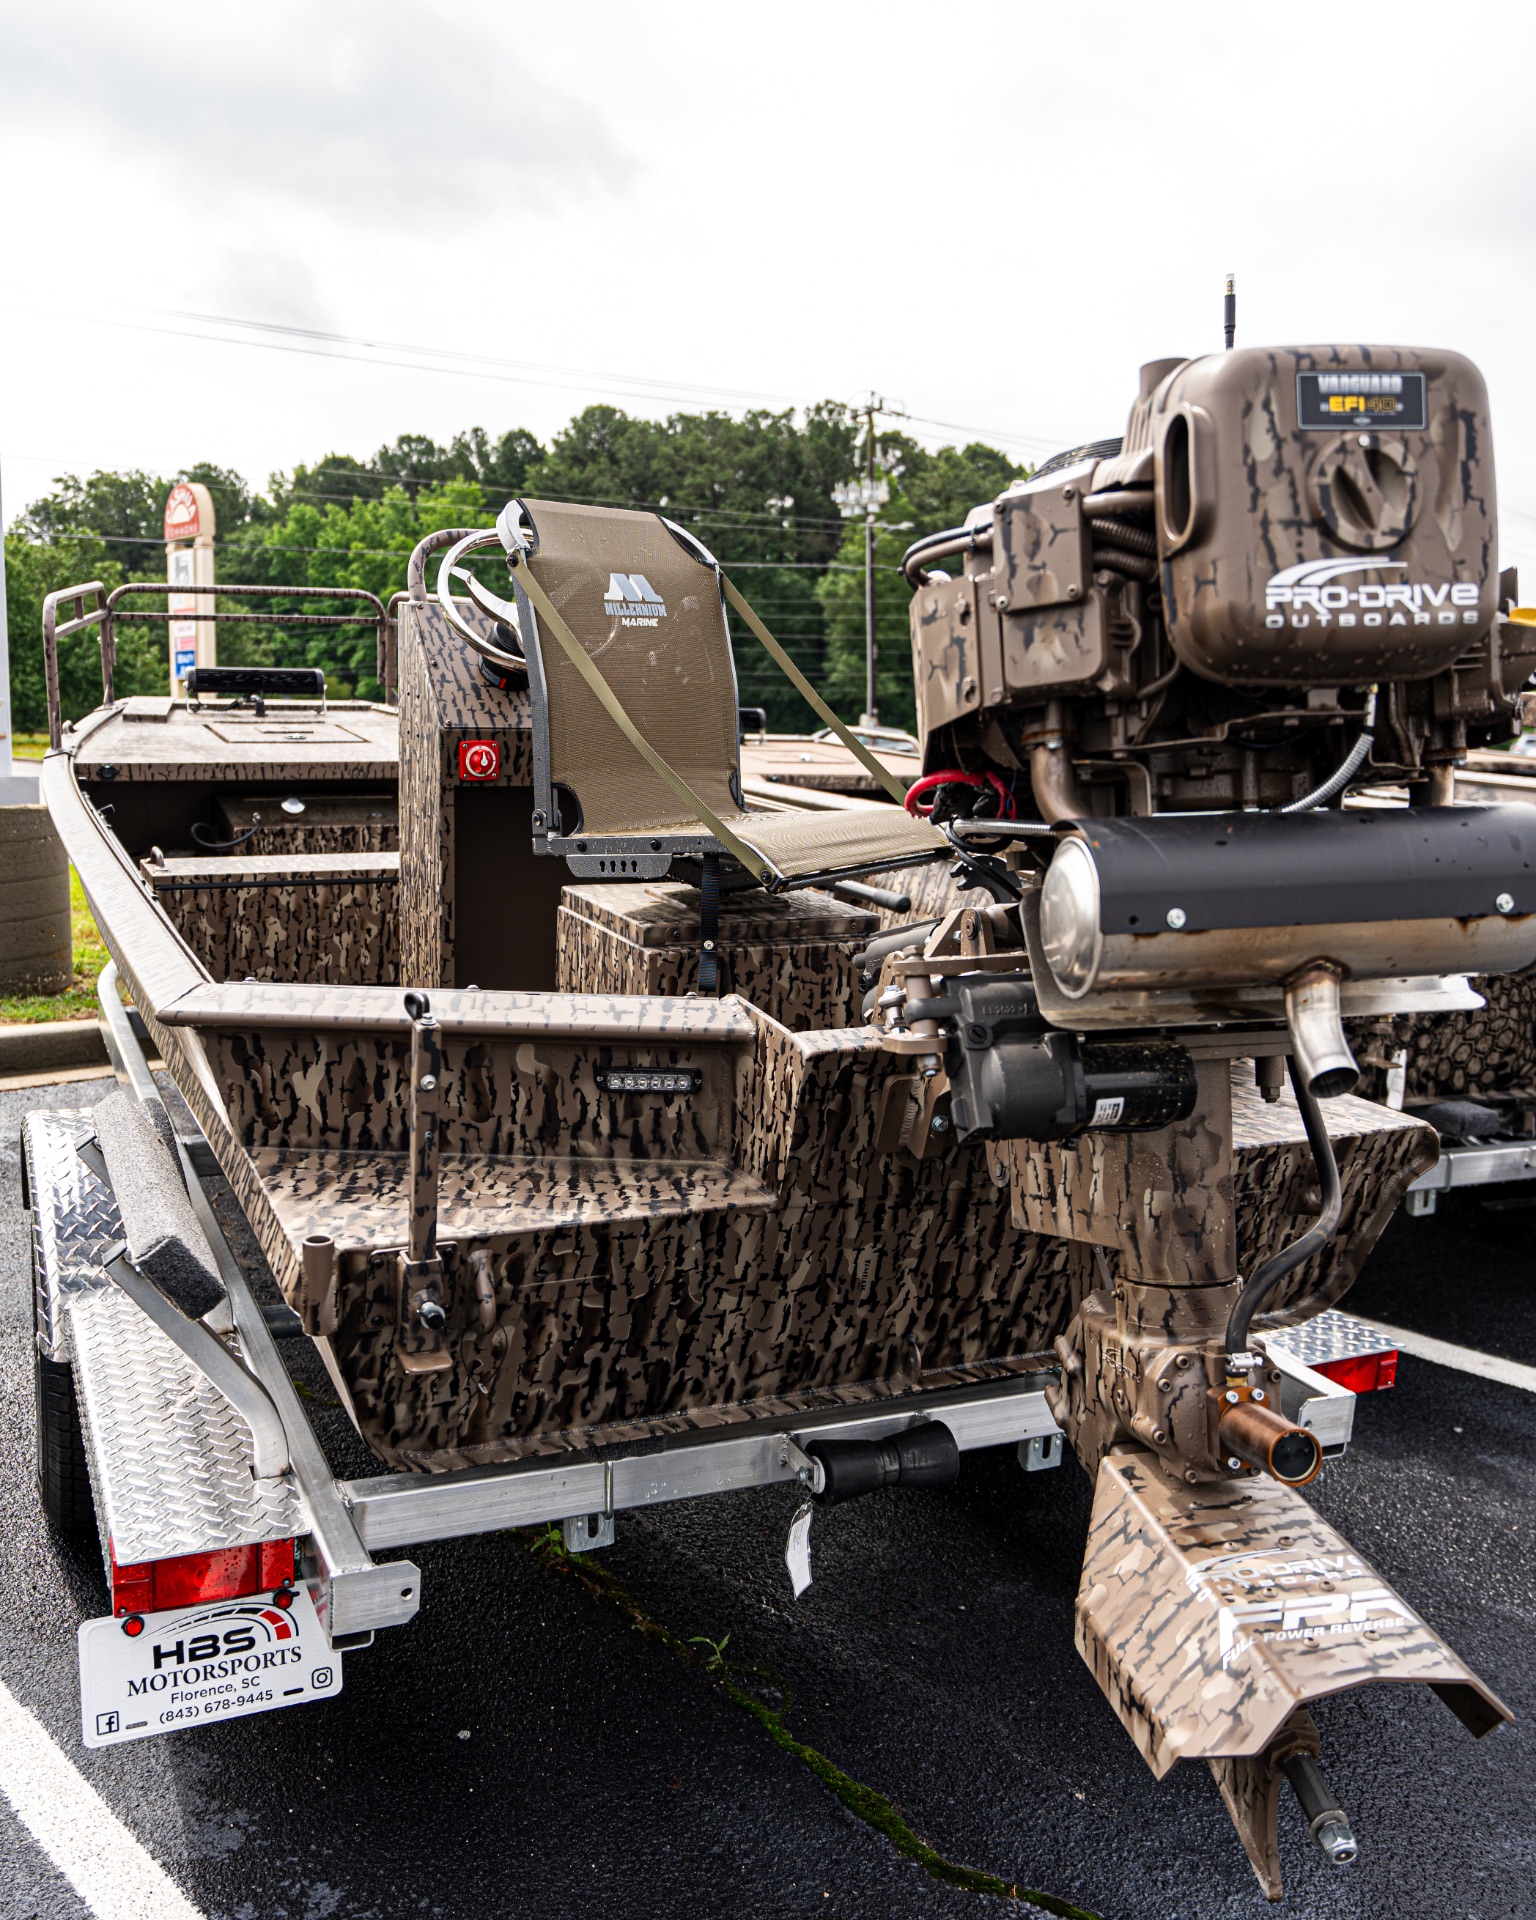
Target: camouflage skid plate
<point>1209,1613</point>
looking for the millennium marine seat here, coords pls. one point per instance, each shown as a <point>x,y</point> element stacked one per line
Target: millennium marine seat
<point>620,625</point>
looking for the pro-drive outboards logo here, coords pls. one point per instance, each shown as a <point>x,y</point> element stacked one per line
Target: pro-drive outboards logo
<point>633,600</point>
<point>1315,593</point>
<point>1262,1594</point>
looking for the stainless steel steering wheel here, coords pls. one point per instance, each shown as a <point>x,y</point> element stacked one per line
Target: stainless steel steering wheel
<point>502,612</point>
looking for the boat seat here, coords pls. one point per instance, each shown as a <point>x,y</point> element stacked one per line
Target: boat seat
<point>623,623</point>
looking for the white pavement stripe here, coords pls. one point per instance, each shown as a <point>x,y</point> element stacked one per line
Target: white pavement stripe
<point>1487,1366</point>
<point>76,1828</point>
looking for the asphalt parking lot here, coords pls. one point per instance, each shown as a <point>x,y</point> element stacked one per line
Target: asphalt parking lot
<point>541,1744</point>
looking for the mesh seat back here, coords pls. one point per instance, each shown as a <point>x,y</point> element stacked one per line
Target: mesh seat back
<point>649,615</point>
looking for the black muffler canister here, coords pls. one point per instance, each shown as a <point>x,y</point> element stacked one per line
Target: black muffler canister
<point>1240,899</point>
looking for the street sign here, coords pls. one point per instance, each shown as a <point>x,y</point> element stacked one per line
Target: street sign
<point>189,534</point>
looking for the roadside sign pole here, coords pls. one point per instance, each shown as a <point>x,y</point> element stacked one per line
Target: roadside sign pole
<point>189,535</point>
<point>7,742</point>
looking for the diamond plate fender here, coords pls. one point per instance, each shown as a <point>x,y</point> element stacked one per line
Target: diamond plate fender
<point>74,1221</point>
<point>1209,1613</point>
<point>170,1459</point>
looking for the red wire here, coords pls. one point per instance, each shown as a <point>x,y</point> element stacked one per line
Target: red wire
<point>954,777</point>
<point>931,780</point>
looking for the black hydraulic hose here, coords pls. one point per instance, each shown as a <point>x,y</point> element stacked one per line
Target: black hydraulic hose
<point>203,837</point>
<point>1312,1241</point>
<point>940,546</point>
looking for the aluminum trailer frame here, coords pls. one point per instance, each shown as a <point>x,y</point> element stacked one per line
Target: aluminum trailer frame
<point>1490,1163</point>
<point>173,1467</point>
<point>152,1469</point>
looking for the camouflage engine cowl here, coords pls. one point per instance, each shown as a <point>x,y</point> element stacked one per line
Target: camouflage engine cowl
<point>1286,547</point>
<point>1325,515</point>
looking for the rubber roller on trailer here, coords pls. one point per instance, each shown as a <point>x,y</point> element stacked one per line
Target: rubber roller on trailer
<point>927,1455</point>
<point>165,1241</point>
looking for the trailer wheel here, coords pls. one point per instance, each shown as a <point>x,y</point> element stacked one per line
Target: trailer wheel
<point>63,1477</point>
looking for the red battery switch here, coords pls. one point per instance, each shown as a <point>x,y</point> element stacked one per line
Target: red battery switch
<point>479,760</point>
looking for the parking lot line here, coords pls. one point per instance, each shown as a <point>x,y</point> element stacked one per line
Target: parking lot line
<point>1487,1366</point>
<point>76,1828</point>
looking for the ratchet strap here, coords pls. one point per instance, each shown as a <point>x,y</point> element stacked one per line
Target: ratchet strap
<point>808,693</point>
<point>576,653</point>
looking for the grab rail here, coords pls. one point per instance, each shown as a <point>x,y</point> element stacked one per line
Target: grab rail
<point>109,615</point>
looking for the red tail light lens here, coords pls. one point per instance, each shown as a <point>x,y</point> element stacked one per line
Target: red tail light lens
<point>189,1579</point>
<point>1362,1372</point>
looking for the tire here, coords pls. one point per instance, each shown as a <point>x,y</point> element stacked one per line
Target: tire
<point>63,1477</point>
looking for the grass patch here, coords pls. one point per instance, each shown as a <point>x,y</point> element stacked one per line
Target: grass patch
<point>752,1689</point>
<point>28,746</point>
<point>78,1000</point>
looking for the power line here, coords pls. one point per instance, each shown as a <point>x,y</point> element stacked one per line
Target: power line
<point>628,386</point>
<point>989,433</point>
<point>450,353</point>
<point>404,553</point>
<point>333,346</point>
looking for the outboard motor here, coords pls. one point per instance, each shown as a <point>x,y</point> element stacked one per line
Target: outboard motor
<point>1194,617</point>
<point>1192,646</point>
<point>1281,586</point>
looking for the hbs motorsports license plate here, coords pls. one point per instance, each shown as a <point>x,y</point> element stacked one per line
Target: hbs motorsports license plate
<point>194,1666</point>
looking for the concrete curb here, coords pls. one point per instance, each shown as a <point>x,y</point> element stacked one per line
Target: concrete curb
<point>46,1046</point>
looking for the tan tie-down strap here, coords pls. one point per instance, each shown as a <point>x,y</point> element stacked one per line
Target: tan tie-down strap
<point>807,692</point>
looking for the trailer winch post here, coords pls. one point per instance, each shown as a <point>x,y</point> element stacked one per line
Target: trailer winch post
<point>423,1313</point>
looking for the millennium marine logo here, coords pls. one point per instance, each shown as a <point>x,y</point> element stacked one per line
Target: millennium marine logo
<point>633,600</point>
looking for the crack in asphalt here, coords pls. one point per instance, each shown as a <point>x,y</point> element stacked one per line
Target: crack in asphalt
<point>735,1680</point>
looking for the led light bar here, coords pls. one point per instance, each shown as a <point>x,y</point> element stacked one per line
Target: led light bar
<point>650,1079</point>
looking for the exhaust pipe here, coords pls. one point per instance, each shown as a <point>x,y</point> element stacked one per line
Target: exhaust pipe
<point>1259,1437</point>
<point>1315,1017</point>
<point>1052,774</point>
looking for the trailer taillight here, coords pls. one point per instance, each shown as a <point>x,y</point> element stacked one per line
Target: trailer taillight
<point>1361,1372</point>
<point>189,1579</point>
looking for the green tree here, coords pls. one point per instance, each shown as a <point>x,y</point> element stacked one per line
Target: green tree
<point>756,491</point>
<point>365,544</point>
<point>34,570</point>
<point>122,512</point>
<point>929,491</point>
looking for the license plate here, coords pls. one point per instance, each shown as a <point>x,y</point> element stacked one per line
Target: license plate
<point>193,1666</point>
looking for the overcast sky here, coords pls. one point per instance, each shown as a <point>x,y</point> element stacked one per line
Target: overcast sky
<point>989,214</point>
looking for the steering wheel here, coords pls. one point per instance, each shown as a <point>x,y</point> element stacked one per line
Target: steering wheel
<point>502,612</point>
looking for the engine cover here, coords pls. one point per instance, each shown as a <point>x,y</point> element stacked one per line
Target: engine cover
<point>1324,514</point>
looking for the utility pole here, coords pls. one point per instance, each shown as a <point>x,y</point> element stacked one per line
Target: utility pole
<point>871,646</point>
<point>7,737</point>
<point>866,496</point>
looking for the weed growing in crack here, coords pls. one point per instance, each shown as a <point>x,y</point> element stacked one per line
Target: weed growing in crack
<point>746,1685</point>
